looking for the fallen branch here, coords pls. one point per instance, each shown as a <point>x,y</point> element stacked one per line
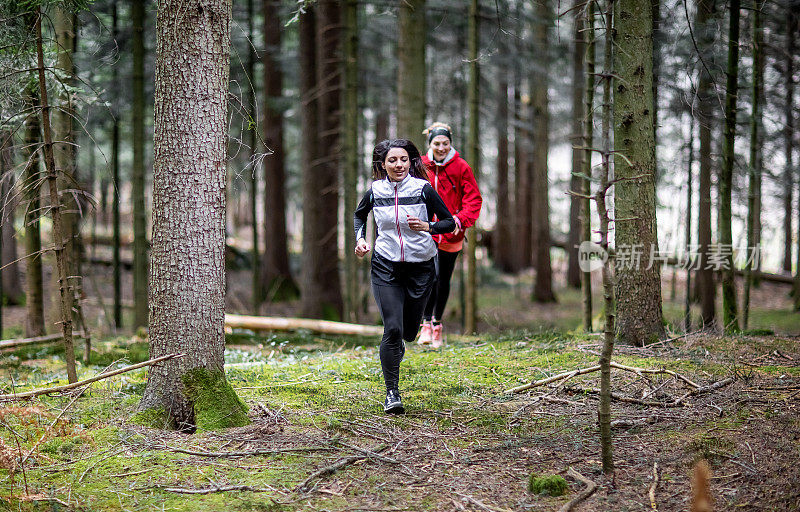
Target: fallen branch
<point>705,389</point>
<point>50,338</point>
<point>590,369</point>
<point>652,493</point>
<point>482,505</point>
<point>588,491</point>
<point>68,387</point>
<point>678,402</point>
<point>223,488</point>
<point>265,323</point>
<point>339,464</point>
<point>250,453</point>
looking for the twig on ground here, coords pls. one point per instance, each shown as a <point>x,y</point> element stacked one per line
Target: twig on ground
<point>369,453</point>
<point>68,387</point>
<point>588,491</point>
<point>249,453</point>
<point>223,488</point>
<point>590,369</point>
<point>339,464</point>
<point>482,505</point>
<point>652,492</point>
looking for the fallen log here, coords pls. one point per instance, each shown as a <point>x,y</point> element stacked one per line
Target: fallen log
<point>38,339</point>
<point>68,387</point>
<point>266,323</point>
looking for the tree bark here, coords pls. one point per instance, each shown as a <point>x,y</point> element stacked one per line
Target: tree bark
<point>411,78</point>
<point>704,27</point>
<point>730,314</point>
<point>473,156</point>
<point>754,174</point>
<point>588,132</point>
<point>31,183</point>
<point>253,142</point>
<point>687,310</point>
<point>115,182</point>
<point>187,275</point>
<point>350,155</point>
<point>639,316</point>
<point>522,179</point>
<point>12,285</point>
<point>138,172</point>
<point>503,255</point>
<point>276,277</point>
<point>576,139</point>
<point>540,113</point>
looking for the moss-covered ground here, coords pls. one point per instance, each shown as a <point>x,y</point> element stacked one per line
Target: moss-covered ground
<point>463,444</point>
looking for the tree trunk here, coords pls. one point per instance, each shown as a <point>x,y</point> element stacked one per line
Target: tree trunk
<point>754,181</point>
<point>64,25</point>
<point>187,292</point>
<point>687,310</point>
<point>12,285</point>
<point>725,181</point>
<point>276,277</point>
<point>588,132</point>
<point>576,139</point>
<point>540,113</point>
<point>411,78</point>
<point>31,184</point>
<point>59,241</point>
<point>604,406</point>
<point>522,179</point>
<point>788,133</point>
<point>704,26</point>
<point>473,156</point>
<point>350,156</point>
<point>115,179</point>
<point>253,142</point>
<point>639,317</point>
<point>503,250</point>
<point>140,253</point>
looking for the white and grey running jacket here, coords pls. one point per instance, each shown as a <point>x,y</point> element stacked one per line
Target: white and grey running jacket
<point>392,202</point>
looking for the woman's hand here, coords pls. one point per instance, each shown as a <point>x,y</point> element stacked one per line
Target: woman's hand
<point>457,230</point>
<point>362,247</point>
<point>419,224</point>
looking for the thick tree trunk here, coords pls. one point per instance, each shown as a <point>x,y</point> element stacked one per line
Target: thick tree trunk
<point>754,174</point>
<point>322,297</point>
<point>276,277</point>
<point>31,184</point>
<point>411,77</point>
<point>64,24</point>
<point>639,316</point>
<point>540,113</point>
<point>473,156</point>
<point>187,292</point>
<point>522,183</point>
<point>350,156</point>
<point>704,26</point>
<point>140,253</point>
<point>725,180</point>
<point>588,141</point>
<point>503,254</point>
<point>12,285</point>
<point>576,139</point>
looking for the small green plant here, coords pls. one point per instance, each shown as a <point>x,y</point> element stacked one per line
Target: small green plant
<point>548,485</point>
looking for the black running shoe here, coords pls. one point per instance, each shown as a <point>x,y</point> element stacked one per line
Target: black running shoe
<point>393,404</point>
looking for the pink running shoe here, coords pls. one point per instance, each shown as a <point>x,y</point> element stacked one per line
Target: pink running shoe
<point>425,334</point>
<point>437,340</point>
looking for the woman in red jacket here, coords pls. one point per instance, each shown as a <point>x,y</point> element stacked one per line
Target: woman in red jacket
<point>453,179</point>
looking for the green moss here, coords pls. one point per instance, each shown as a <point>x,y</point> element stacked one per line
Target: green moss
<point>155,417</point>
<point>548,485</point>
<point>216,405</point>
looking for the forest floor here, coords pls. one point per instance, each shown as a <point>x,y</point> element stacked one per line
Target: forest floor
<point>464,442</point>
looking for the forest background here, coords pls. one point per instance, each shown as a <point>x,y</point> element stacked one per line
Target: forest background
<point>669,141</point>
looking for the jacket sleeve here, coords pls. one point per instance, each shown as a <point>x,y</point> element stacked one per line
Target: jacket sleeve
<point>360,215</point>
<point>471,199</point>
<point>436,206</point>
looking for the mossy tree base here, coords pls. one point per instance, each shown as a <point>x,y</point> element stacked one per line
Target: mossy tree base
<point>216,405</point>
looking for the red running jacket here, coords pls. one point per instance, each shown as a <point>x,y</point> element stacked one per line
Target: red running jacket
<point>454,181</point>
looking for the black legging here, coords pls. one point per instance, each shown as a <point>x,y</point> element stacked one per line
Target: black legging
<point>401,291</point>
<point>446,263</point>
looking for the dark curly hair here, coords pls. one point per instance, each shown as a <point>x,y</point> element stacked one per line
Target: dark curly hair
<point>382,148</point>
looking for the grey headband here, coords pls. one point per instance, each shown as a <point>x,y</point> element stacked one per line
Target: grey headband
<point>439,131</point>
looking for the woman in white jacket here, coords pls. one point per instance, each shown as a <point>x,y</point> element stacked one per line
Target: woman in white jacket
<point>403,202</point>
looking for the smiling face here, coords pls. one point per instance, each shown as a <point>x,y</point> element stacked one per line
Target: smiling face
<point>440,145</point>
<point>397,164</point>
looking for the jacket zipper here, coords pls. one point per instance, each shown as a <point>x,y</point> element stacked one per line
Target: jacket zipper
<point>436,188</point>
<point>397,221</point>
